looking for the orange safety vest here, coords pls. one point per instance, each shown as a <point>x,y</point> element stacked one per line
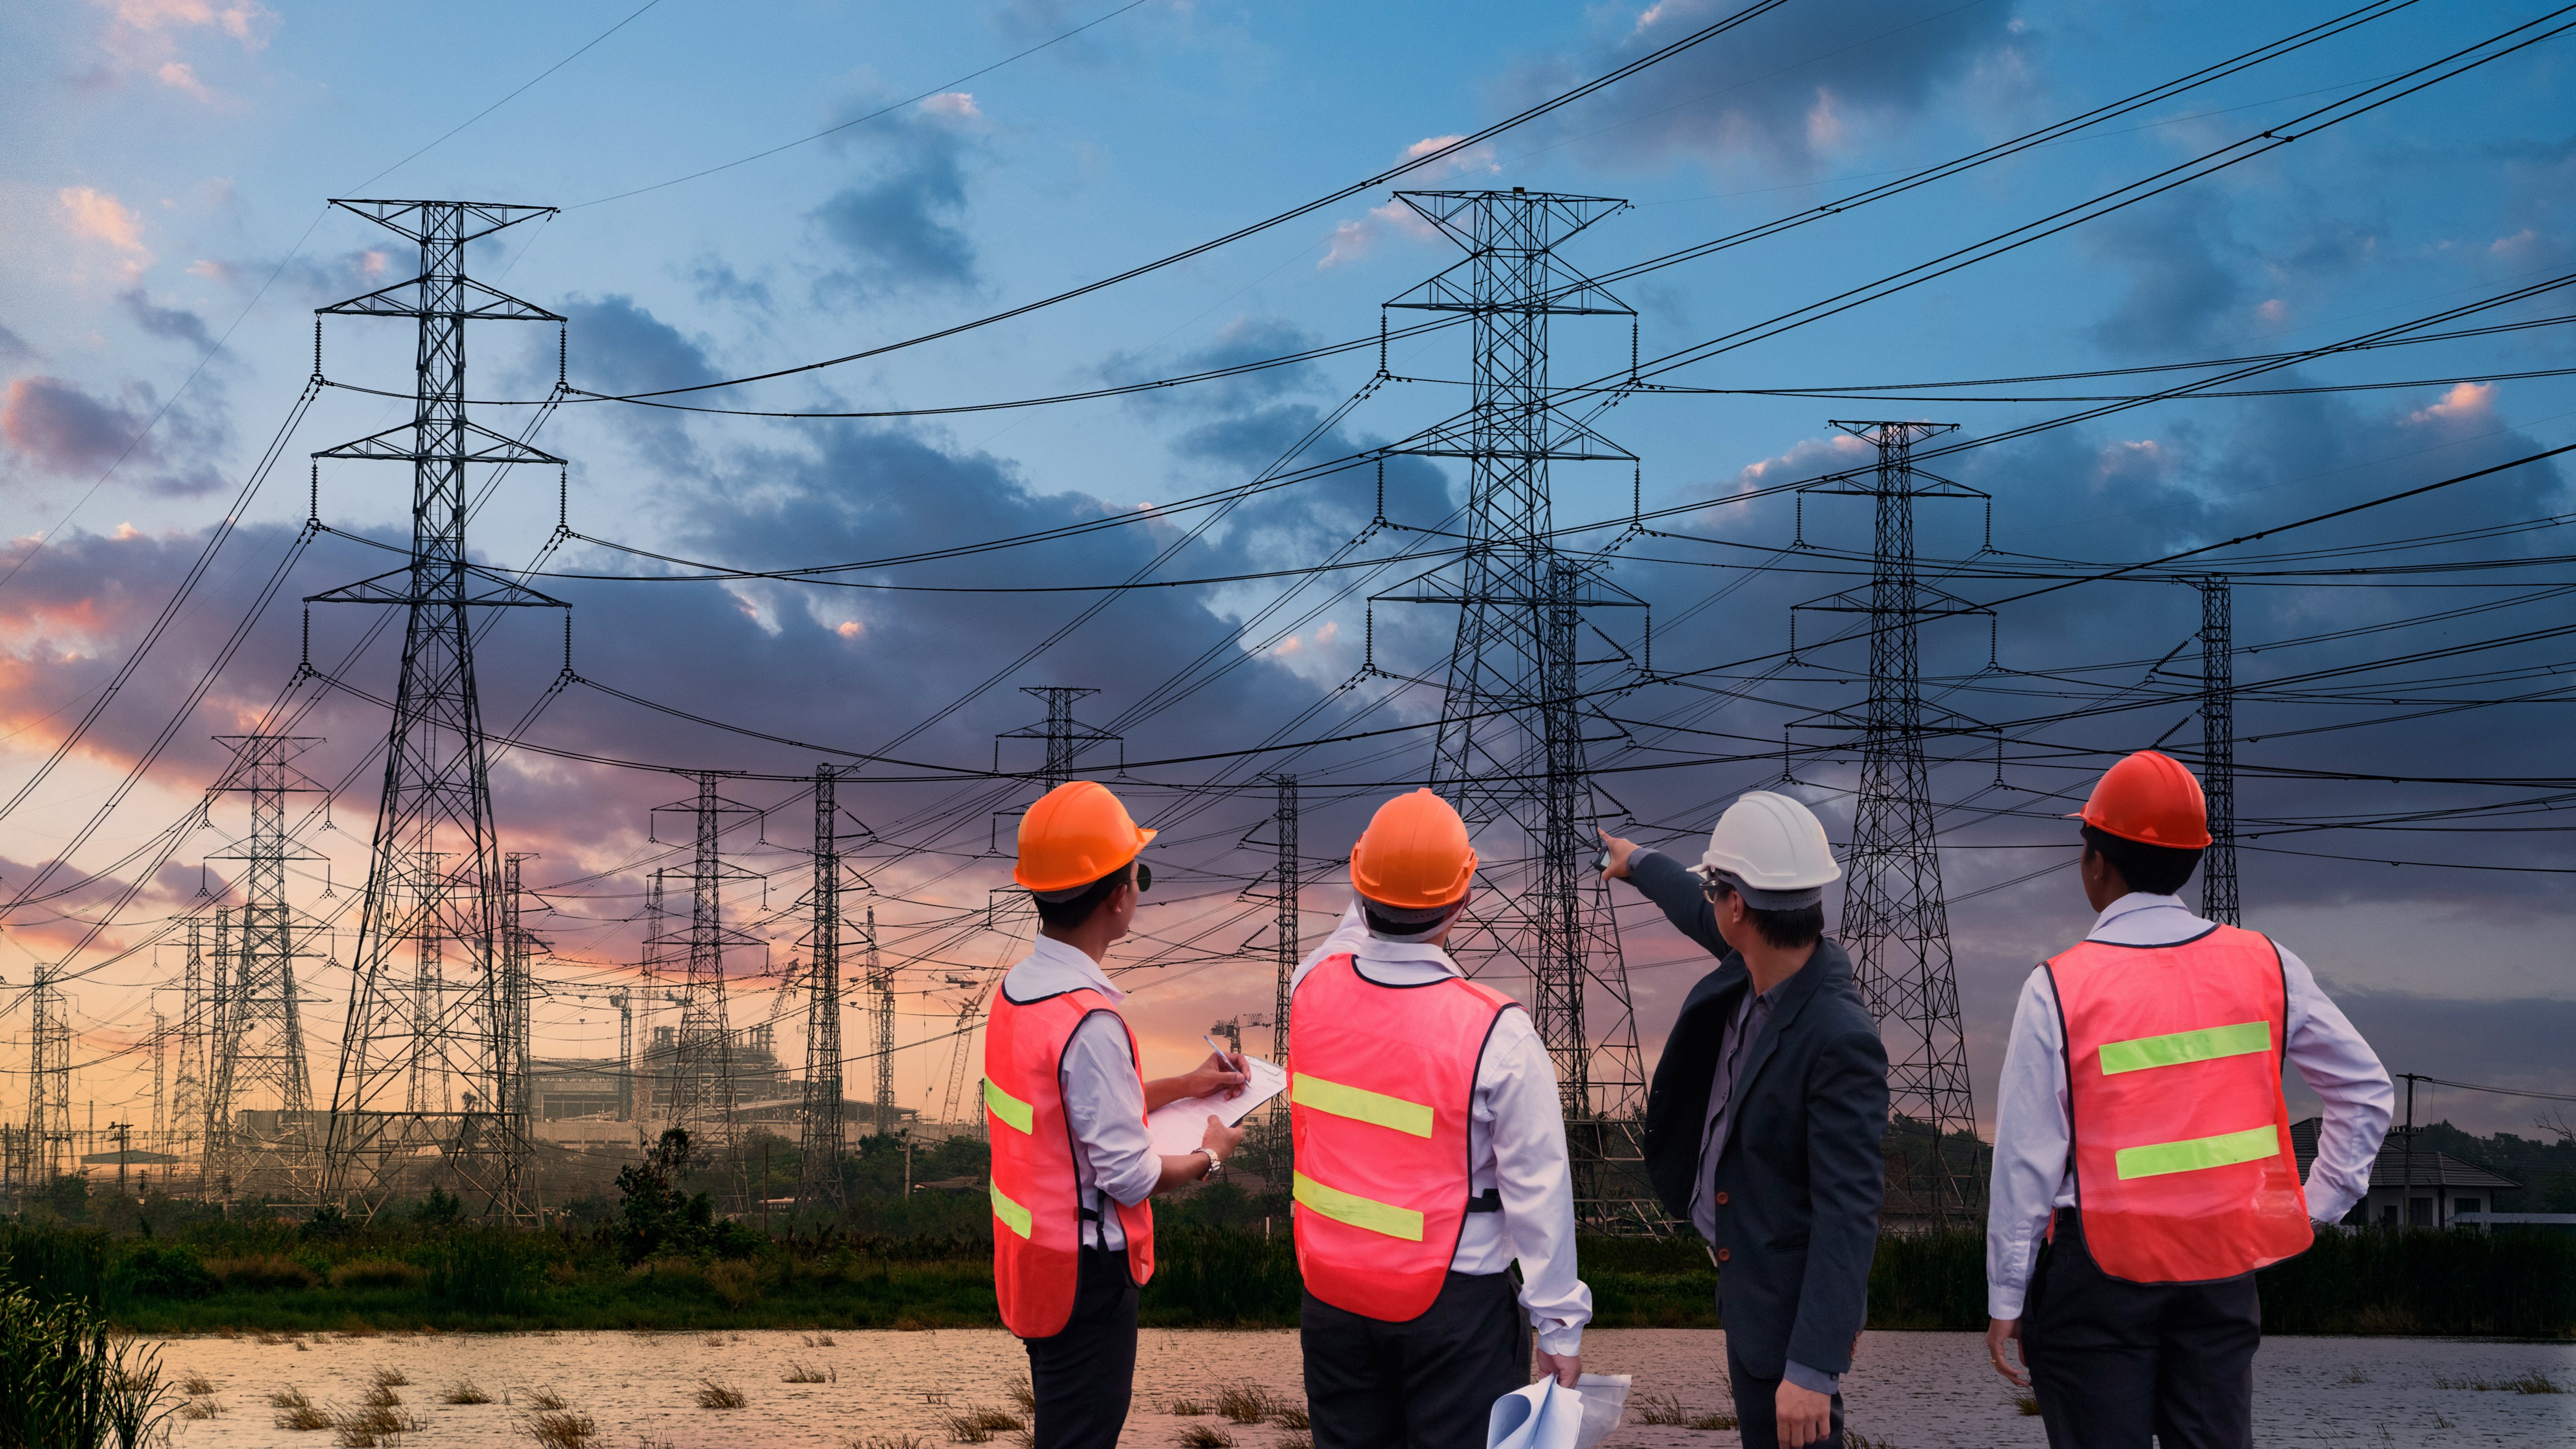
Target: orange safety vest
<point>1380,1087</point>
<point>1038,1215</point>
<point>2183,1172</point>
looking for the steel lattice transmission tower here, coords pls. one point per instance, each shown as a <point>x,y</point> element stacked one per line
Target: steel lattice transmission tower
<point>437,800</point>
<point>881,1028</point>
<point>513,1044</point>
<point>1511,747</point>
<point>258,1049</point>
<point>698,1068</point>
<point>1065,736</point>
<point>1894,922</point>
<point>1286,884</point>
<point>824,1132</point>
<point>188,1097</point>
<point>2218,751</point>
<point>49,1080</point>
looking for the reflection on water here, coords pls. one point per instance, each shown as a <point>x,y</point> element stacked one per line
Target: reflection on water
<point>1912,1390</point>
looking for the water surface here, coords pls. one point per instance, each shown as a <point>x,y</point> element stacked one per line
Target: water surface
<point>1907,1390</point>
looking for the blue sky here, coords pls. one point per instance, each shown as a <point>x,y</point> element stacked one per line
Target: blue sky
<point>165,187</point>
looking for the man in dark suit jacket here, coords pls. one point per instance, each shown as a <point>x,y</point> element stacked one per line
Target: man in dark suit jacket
<point>1764,1119</point>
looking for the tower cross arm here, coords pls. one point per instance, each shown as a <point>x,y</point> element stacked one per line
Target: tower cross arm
<point>491,304</point>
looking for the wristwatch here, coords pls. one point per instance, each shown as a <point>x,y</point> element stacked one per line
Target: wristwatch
<point>1215,1163</point>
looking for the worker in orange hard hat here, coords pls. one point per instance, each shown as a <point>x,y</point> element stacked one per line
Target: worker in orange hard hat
<point>1430,1154</point>
<point>2142,1146</point>
<point>1065,1101</point>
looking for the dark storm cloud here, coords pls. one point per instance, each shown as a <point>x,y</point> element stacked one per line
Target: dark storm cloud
<point>2184,276</point>
<point>176,324</point>
<point>1781,91</point>
<point>622,347</point>
<point>902,226</point>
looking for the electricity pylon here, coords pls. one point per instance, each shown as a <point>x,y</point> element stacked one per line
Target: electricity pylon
<point>1894,922</point>
<point>699,1066</point>
<point>881,1027</point>
<point>1511,747</point>
<point>2218,751</point>
<point>188,1098</point>
<point>49,1080</point>
<point>513,1042</point>
<point>824,1132</point>
<point>437,799</point>
<point>1285,882</point>
<point>258,1054</point>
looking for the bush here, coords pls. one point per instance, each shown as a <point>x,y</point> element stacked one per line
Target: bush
<point>376,1273</point>
<point>262,1273</point>
<point>159,1270</point>
<point>484,1270</point>
<point>2515,1281</point>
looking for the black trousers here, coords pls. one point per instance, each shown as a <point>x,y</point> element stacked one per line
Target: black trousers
<point>1429,1383</point>
<point>2113,1361</point>
<point>1085,1376</point>
<point>1757,1408</point>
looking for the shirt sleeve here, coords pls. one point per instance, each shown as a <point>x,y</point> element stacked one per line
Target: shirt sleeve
<point>1104,1103</point>
<point>2032,1137</point>
<point>2347,1076</point>
<point>1516,1090</point>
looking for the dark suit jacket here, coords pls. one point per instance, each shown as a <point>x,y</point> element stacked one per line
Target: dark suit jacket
<point>1800,1173</point>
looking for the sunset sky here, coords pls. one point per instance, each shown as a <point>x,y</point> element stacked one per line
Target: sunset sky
<point>164,239</point>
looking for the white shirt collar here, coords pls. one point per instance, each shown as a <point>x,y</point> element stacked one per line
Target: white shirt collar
<point>2134,902</point>
<point>1052,968</point>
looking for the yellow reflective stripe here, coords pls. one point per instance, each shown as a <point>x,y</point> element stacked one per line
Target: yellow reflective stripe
<point>1013,1216</point>
<point>2224,1150</point>
<point>2209,1043</point>
<point>1012,1111</point>
<point>1361,1105</point>
<point>1359,1212</point>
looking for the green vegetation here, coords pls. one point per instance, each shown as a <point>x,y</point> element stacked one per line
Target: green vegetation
<point>67,1383</point>
<point>660,1256</point>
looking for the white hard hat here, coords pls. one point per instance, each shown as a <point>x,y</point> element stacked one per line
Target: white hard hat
<point>1770,843</point>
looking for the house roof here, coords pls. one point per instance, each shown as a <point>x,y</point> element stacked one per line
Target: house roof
<point>2393,1168</point>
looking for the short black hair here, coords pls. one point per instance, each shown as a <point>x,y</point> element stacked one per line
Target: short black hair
<point>1784,930</point>
<point>1070,912</point>
<point>2158,870</point>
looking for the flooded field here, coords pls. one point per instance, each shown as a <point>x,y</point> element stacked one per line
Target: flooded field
<point>643,1391</point>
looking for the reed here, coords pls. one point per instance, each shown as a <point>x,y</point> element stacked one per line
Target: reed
<point>887,1441</point>
<point>1024,1395</point>
<point>196,1385</point>
<point>297,1412</point>
<point>374,1426</point>
<point>390,1378</point>
<point>1292,1416</point>
<point>714,1395</point>
<point>1205,1436</point>
<point>560,1429</point>
<point>1295,1441</point>
<point>546,1399</point>
<point>464,1391</point>
<point>1184,1407</point>
<point>1246,1403</point>
<point>64,1379</point>
<point>798,1373</point>
<point>2027,1403</point>
<point>979,1424</point>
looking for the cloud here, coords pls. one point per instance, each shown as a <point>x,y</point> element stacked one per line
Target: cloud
<point>2185,274</point>
<point>246,21</point>
<point>14,348</point>
<point>175,323</point>
<point>1781,92</point>
<point>901,229</point>
<point>61,428</point>
<point>94,215</point>
<point>179,76</point>
<point>716,281</point>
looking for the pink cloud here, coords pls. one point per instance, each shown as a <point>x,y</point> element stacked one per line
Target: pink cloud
<point>94,215</point>
<point>2465,402</point>
<point>244,20</point>
<point>178,75</point>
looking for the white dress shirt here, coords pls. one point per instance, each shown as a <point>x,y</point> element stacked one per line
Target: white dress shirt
<point>2034,1169</point>
<point>1515,1143</point>
<point>1104,1093</point>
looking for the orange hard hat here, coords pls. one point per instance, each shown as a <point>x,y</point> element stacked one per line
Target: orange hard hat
<point>1414,854</point>
<point>2149,798</point>
<point>1075,834</point>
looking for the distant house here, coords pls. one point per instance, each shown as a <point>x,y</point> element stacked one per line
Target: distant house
<point>2420,1189</point>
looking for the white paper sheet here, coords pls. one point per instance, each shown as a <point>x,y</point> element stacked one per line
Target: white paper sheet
<point>1179,1127</point>
<point>1545,1415</point>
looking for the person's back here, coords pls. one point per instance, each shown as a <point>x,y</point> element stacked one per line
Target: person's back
<point>1430,1156</point>
<point>2143,1168</point>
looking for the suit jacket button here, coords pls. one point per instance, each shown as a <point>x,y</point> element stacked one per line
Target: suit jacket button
<point>1721,1199</point>
<point>1723,1254</point>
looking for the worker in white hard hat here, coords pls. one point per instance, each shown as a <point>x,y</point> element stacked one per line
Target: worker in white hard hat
<point>1764,1118</point>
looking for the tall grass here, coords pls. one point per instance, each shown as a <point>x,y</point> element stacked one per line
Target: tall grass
<point>65,1384</point>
